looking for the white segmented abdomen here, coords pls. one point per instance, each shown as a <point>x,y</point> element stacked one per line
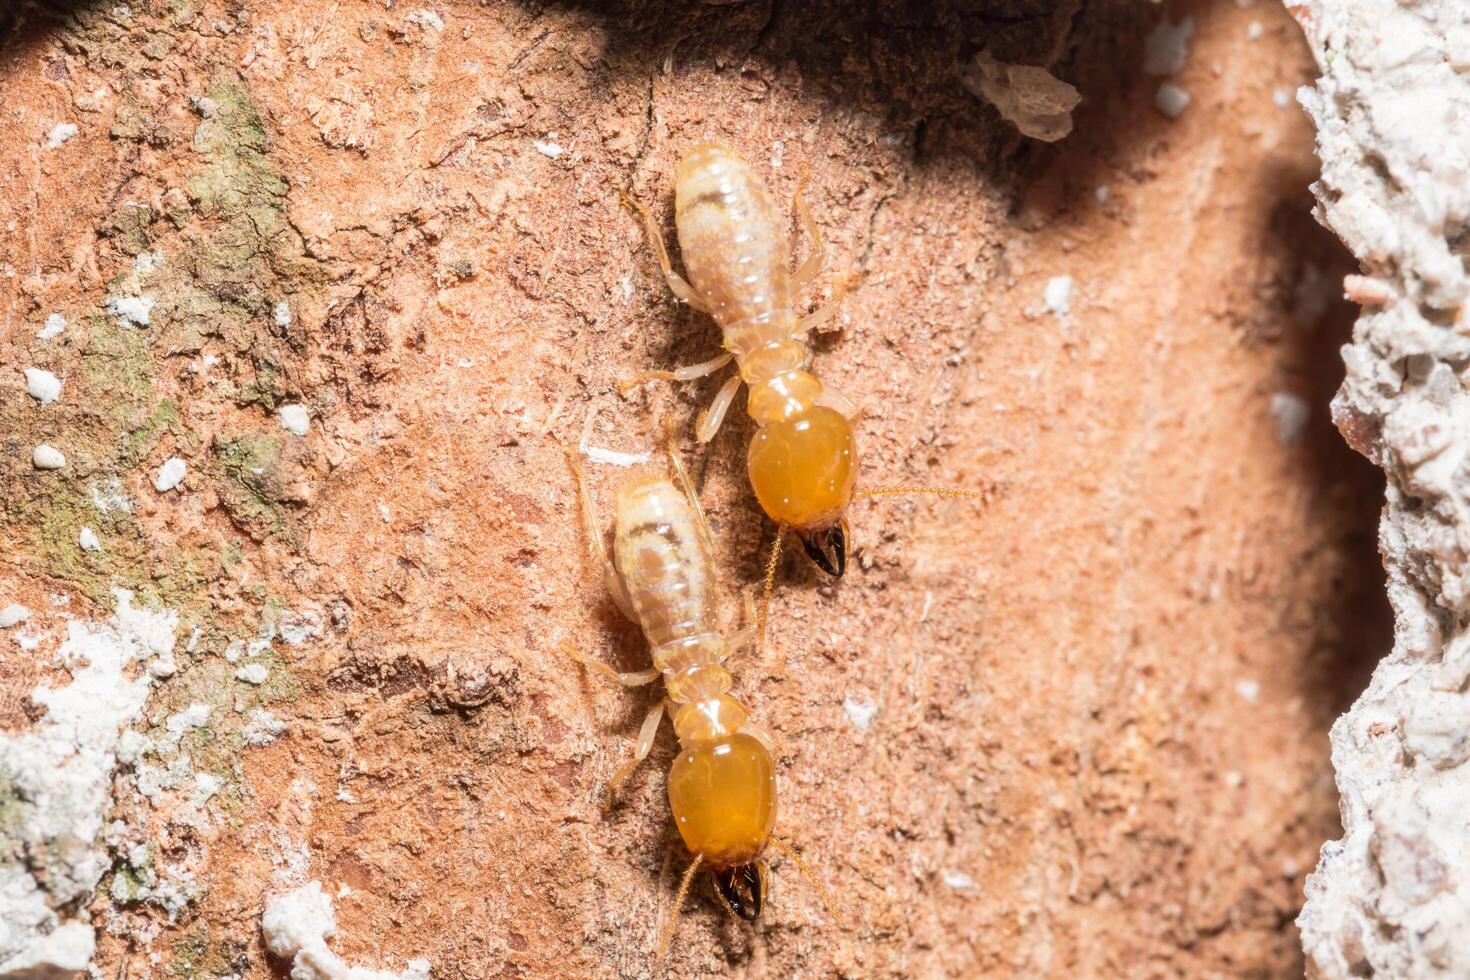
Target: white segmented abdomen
<point>734,248</point>
<point>663,559</point>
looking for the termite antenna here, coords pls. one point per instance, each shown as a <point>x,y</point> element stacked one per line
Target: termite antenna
<point>668,931</point>
<point>770,584</point>
<point>901,491</point>
<point>806,873</point>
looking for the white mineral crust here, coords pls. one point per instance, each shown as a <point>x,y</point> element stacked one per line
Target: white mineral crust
<point>1392,111</point>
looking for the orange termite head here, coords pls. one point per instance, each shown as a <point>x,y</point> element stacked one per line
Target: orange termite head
<point>802,469</point>
<point>742,889</point>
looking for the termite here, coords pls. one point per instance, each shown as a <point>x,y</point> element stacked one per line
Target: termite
<point>802,461</point>
<point>722,787</point>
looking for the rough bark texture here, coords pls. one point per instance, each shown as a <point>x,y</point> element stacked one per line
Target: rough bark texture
<point>1079,730</point>
<point>1392,109</point>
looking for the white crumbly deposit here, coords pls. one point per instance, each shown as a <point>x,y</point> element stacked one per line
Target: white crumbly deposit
<point>295,419</point>
<point>1291,413</point>
<point>54,326</point>
<point>859,712</point>
<point>13,615</point>
<point>296,926</point>
<point>262,727</point>
<point>45,457</point>
<point>957,880</point>
<point>281,313</point>
<point>1167,47</point>
<point>109,497</point>
<point>1171,100</point>
<point>61,954</point>
<point>548,148</point>
<point>253,674</point>
<point>60,134</point>
<point>42,385</point>
<point>1058,296</point>
<point>170,474</point>
<point>429,20</point>
<point>1391,898</point>
<point>130,310</point>
<point>61,769</point>
<point>87,539</point>
<point>1030,98</point>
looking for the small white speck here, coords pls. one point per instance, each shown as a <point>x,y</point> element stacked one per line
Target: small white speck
<point>28,641</point>
<point>13,615</point>
<point>1291,413</point>
<point>957,880</point>
<point>87,540</point>
<point>384,514</point>
<point>1171,100</point>
<point>777,148</point>
<point>47,458</point>
<point>614,458</point>
<point>1058,295</point>
<point>428,19</point>
<point>1249,690</point>
<point>1254,30</point>
<point>133,310</point>
<point>1167,47</point>
<point>43,386</point>
<point>1101,193</point>
<point>60,133</point>
<point>1233,780</point>
<point>548,149</point>
<point>282,314</point>
<point>234,650</point>
<point>253,674</point>
<point>860,713</point>
<point>55,324</point>
<point>295,419</point>
<point>170,474</point>
<point>464,362</point>
<point>1282,98</point>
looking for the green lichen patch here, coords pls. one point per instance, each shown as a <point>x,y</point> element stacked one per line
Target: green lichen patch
<point>259,487</point>
<point>198,956</point>
<point>128,227</point>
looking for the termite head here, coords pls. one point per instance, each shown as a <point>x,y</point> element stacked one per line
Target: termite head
<point>723,794</point>
<point>742,889</point>
<point>802,469</point>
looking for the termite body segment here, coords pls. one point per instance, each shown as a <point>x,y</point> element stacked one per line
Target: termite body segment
<point>722,788</point>
<point>803,460</point>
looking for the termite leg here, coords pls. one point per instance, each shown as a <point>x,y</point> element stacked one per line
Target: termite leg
<point>839,403</point>
<point>687,373</point>
<point>833,306</point>
<point>687,485</point>
<point>714,416</point>
<point>750,634</point>
<point>640,751</point>
<point>610,577</point>
<point>812,265</point>
<point>636,678</point>
<point>678,285</point>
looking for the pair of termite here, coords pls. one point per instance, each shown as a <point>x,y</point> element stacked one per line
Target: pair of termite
<point>802,463</point>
